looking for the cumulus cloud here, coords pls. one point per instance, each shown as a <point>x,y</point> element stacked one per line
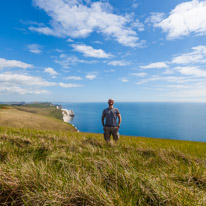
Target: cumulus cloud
<point>76,19</point>
<point>44,30</point>
<point>69,85</point>
<point>59,50</point>
<point>186,18</point>
<point>91,76</point>
<point>51,71</point>
<point>198,55</point>
<point>179,86</point>
<point>89,51</point>
<point>119,63</point>
<point>97,42</point>
<point>111,70</point>
<point>70,40</point>
<point>155,18</point>
<point>4,63</point>
<point>74,78</point>
<point>192,71</point>
<point>68,60</point>
<point>139,74</point>
<point>135,5</point>
<point>168,71</point>
<point>21,79</point>
<point>156,65</point>
<point>19,90</point>
<point>23,84</point>
<point>124,79</point>
<point>138,25</point>
<point>173,79</point>
<point>34,48</point>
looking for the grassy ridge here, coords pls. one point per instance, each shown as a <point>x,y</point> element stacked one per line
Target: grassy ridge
<point>69,168</point>
<point>41,108</point>
<point>34,117</point>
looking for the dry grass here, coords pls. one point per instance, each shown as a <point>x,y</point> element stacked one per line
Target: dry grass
<point>69,168</point>
<point>43,109</point>
<point>20,119</point>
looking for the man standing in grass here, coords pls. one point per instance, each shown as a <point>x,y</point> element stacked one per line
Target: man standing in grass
<point>111,127</point>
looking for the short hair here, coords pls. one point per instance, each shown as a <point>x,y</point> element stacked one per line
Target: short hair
<point>111,100</point>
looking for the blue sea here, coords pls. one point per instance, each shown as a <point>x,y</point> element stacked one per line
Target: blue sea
<point>180,121</point>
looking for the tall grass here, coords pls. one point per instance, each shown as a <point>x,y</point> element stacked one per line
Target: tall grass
<point>69,168</point>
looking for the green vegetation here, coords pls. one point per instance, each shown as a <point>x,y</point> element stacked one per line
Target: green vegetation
<point>43,117</point>
<point>69,168</point>
<point>44,161</point>
<point>46,109</point>
<point>4,106</point>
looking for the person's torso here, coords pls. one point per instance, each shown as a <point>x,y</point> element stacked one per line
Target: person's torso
<point>111,116</point>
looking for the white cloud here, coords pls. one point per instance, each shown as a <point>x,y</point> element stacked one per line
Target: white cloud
<point>119,63</point>
<point>168,71</point>
<point>187,17</point>
<point>138,25</point>
<point>19,90</point>
<point>91,76</point>
<point>51,71</point>
<point>23,84</point>
<point>32,23</point>
<point>74,19</point>
<point>173,79</point>
<point>179,86</point>
<point>198,55</point>
<point>156,65</point>
<point>135,5</point>
<point>193,71</point>
<point>59,50</point>
<point>89,51</point>
<point>67,60</point>
<point>111,70</point>
<point>74,78</point>
<point>4,63</point>
<point>20,79</point>
<point>97,42</point>
<point>70,40</point>
<point>45,30</point>
<point>155,18</point>
<point>34,48</point>
<point>69,85</point>
<point>139,74</point>
<point>124,80</point>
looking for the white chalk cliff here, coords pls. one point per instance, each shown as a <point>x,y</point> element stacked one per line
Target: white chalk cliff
<point>67,114</point>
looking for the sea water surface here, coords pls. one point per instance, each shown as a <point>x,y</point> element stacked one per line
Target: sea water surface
<point>180,121</point>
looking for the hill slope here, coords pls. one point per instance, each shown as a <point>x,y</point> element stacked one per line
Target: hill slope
<point>31,117</point>
<point>46,109</point>
<point>69,168</point>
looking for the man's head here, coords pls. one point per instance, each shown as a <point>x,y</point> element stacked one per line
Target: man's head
<point>110,102</point>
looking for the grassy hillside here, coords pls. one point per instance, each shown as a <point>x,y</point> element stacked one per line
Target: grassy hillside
<point>42,108</point>
<point>69,168</point>
<point>33,117</point>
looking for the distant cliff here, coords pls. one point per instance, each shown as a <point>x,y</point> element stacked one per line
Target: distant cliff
<point>67,114</point>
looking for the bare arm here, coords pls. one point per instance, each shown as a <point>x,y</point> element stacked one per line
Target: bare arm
<point>103,120</point>
<point>120,119</point>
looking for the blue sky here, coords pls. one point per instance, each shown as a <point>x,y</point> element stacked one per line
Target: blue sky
<point>89,51</point>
